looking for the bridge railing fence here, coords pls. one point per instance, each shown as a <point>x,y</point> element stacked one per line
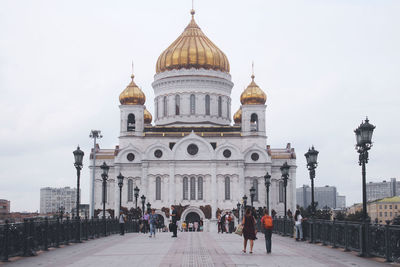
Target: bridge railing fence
<point>25,239</point>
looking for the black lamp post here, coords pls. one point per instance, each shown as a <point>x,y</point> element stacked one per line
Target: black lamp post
<point>311,157</point>
<point>285,176</point>
<point>364,143</point>
<point>143,201</point>
<point>267,181</point>
<point>148,205</point>
<point>78,155</point>
<point>104,176</point>
<point>252,195</point>
<point>238,209</point>
<point>120,178</point>
<point>136,190</point>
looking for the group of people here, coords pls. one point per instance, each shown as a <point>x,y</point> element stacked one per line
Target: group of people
<point>192,226</point>
<point>226,223</point>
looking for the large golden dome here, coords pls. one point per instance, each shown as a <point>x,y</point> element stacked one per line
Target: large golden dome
<point>132,95</point>
<point>147,117</point>
<point>192,49</point>
<point>253,95</point>
<point>237,118</point>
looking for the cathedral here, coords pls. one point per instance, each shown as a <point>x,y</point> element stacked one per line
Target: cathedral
<point>191,153</point>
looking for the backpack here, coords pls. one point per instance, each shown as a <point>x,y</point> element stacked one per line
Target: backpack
<point>268,222</point>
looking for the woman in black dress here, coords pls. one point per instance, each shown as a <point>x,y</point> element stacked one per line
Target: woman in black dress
<point>249,230</point>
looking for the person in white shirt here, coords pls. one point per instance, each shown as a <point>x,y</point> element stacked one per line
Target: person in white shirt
<point>122,223</point>
<point>299,229</point>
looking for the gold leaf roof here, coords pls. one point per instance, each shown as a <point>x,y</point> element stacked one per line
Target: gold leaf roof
<point>147,117</point>
<point>253,95</point>
<point>237,118</point>
<point>192,49</point>
<point>132,95</point>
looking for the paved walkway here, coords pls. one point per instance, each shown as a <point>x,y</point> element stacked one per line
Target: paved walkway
<point>192,249</point>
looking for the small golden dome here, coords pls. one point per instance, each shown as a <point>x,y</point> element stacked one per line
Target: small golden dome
<point>237,118</point>
<point>147,117</point>
<point>253,95</point>
<point>132,95</point>
<point>192,49</point>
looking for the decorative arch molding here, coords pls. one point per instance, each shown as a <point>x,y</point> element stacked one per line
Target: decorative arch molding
<point>264,157</point>
<point>180,148</point>
<point>192,209</point>
<point>236,153</point>
<point>149,153</point>
<point>121,157</point>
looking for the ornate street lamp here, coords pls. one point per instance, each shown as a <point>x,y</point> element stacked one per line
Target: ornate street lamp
<point>136,190</point>
<point>285,176</point>
<point>364,143</point>
<point>238,209</point>
<point>143,201</point>
<point>267,181</point>
<point>148,205</point>
<point>78,155</point>
<point>120,178</point>
<point>104,176</point>
<point>311,157</point>
<point>252,195</point>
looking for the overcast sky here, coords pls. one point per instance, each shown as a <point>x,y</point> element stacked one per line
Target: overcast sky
<point>324,66</point>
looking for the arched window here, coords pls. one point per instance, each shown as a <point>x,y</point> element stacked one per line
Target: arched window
<point>192,188</point>
<point>219,106</point>
<point>130,190</point>
<point>177,104</point>
<point>207,105</point>
<point>158,188</point>
<point>281,192</point>
<point>255,185</point>
<point>227,188</point>
<point>165,106</point>
<point>131,122</point>
<point>200,188</point>
<point>185,189</point>
<point>192,104</point>
<point>254,122</point>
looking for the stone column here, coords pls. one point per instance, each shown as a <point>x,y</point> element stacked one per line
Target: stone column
<point>214,191</point>
<point>242,184</point>
<point>171,184</point>
<point>145,181</point>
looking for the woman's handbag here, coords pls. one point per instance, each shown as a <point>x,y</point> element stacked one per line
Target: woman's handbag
<point>239,230</point>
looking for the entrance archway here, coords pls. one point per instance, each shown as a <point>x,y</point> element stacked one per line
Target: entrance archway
<point>192,217</point>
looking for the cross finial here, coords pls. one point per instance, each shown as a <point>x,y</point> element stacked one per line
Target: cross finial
<point>132,75</point>
<point>192,12</point>
<point>252,70</point>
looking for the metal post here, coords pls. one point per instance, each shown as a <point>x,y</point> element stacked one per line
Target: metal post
<point>120,198</point>
<point>6,243</point>
<point>104,203</point>
<point>268,200</point>
<point>78,225</point>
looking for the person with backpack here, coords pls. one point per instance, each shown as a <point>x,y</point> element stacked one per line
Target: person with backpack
<point>152,222</point>
<point>268,223</point>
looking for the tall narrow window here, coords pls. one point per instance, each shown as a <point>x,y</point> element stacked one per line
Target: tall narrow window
<point>228,109</point>
<point>130,190</point>
<point>227,188</point>
<point>219,106</point>
<point>156,103</point>
<point>165,106</point>
<point>207,105</point>
<point>158,188</point>
<point>192,104</point>
<point>131,122</point>
<point>254,122</point>
<point>185,188</point>
<point>200,188</point>
<point>255,185</point>
<point>192,188</point>
<point>281,192</point>
<point>177,104</point>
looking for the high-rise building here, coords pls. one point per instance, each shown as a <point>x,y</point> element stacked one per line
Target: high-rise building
<point>4,206</point>
<point>379,190</point>
<point>325,196</point>
<point>52,199</point>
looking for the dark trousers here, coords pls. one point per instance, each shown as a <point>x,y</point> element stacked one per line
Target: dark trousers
<point>122,228</point>
<point>174,229</point>
<point>268,235</point>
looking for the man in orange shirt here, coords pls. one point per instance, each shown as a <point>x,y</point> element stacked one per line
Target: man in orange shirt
<point>268,224</point>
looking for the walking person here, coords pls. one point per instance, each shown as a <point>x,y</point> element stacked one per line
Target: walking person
<point>268,224</point>
<point>122,219</point>
<point>249,230</point>
<point>152,222</point>
<point>174,220</point>
<point>299,229</point>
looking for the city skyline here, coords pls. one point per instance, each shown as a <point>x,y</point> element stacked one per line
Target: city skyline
<point>63,67</point>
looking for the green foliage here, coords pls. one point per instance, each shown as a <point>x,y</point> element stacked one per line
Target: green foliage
<point>355,217</point>
<point>340,216</point>
<point>396,221</point>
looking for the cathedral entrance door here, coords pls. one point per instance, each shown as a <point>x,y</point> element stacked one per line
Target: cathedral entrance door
<point>192,221</point>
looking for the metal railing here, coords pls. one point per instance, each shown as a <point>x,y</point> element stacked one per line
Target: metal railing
<point>382,240</point>
<point>25,239</point>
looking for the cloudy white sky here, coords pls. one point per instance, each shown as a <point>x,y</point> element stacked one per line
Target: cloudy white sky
<point>324,66</point>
